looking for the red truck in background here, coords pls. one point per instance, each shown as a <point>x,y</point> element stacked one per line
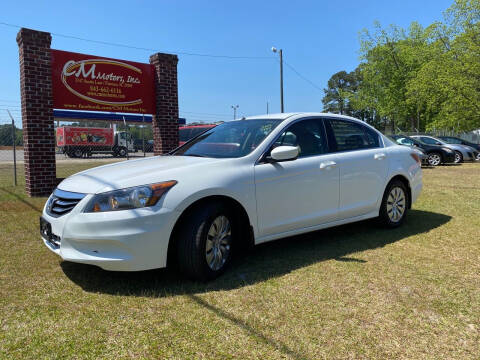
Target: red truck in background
<point>188,132</point>
<point>83,141</point>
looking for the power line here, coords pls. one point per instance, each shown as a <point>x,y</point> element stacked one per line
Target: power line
<point>303,77</point>
<point>187,53</point>
<point>203,114</point>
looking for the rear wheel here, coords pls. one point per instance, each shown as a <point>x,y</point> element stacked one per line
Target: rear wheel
<point>205,242</point>
<point>78,153</point>
<point>434,159</point>
<point>458,157</point>
<point>394,204</point>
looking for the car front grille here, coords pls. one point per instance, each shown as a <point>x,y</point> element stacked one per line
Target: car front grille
<point>62,202</point>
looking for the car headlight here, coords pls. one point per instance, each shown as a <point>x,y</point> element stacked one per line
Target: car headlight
<point>129,198</point>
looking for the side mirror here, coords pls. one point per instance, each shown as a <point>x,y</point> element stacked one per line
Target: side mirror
<point>284,153</point>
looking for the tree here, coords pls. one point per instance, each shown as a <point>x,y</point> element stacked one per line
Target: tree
<point>448,83</point>
<point>336,99</point>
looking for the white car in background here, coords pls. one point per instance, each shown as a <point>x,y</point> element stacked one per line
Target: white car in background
<point>462,152</point>
<point>251,180</point>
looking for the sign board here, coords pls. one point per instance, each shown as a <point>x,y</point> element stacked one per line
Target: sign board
<point>93,83</point>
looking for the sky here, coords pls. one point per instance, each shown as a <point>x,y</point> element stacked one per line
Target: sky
<point>318,38</point>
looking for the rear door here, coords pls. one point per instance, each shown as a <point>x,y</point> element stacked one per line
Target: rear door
<point>363,166</point>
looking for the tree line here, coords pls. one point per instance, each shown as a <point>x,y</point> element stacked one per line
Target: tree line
<point>416,78</point>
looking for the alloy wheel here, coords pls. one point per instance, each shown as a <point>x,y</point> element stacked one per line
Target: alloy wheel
<point>434,159</point>
<point>396,204</point>
<point>458,157</point>
<point>218,244</point>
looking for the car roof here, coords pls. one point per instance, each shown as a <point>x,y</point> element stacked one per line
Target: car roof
<point>284,116</point>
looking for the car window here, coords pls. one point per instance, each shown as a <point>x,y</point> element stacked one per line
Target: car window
<point>308,135</point>
<point>405,141</point>
<point>428,140</point>
<point>231,139</point>
<point>452,140</point>
<point>348,136</point>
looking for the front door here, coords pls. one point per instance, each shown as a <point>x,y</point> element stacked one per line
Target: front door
<point>298,193</point>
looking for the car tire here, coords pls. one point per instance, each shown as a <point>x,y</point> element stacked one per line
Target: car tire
<point>78,153</point>
<point>122,152</point>
<point>205,242</point>
<point>434,159</point>
<point>458,157</point>
<point>394,205</point>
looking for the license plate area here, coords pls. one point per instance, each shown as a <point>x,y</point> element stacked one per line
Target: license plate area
<point>46,233</point>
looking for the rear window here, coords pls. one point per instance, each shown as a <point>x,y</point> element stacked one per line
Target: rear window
<point>349,136</point>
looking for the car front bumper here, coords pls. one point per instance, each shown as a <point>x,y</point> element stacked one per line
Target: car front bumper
<point>128,240</point>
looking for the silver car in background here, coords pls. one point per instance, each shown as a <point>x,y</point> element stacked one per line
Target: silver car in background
<point>462,152</point>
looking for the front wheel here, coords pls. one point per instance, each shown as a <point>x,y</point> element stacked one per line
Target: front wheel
<point>205,242</point>
<point>394,204</point>
<point>434,159</point>
<point>122,152</point>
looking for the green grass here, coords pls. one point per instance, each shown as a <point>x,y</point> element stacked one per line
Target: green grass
<point>355,291</point>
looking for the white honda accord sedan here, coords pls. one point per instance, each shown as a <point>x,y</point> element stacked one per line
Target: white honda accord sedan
<point>246,181</point>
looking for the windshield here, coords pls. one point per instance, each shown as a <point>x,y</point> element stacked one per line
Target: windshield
<point>231,139</point>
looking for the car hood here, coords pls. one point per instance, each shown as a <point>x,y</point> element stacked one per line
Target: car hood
<point>135,172</point>
<point>461,148</point>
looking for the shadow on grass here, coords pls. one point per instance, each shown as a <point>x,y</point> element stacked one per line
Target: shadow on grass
<point>263,262</point>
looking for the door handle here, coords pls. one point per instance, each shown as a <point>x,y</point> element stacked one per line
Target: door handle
<point>380,156</point>
<point>327,165</point>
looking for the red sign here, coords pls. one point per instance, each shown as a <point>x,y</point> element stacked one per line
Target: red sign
<point>88,82</point>
<point>84,136</point>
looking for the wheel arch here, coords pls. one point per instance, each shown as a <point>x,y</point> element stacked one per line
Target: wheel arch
<point>406,182</point>
<point>439,152</point>
<point>240,213</point>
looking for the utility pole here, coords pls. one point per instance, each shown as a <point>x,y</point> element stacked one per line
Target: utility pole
<point>267,107</point>
<point>280,53</point>
<point>235,107</point>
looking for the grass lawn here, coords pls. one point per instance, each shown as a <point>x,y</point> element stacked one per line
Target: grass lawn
<point>352,292</point>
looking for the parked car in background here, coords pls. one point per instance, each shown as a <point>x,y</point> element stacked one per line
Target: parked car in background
<point>456,140</point>
<point>251,180</point>
<point>188,132</point>
<point>436,154</point>
<point>420,152</point>
<point>462,152</point>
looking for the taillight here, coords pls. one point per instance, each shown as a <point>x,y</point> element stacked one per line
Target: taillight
<point>416,158</point>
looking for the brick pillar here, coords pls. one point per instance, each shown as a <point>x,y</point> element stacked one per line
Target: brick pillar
<point>165,120</point>
<point>37,111</point>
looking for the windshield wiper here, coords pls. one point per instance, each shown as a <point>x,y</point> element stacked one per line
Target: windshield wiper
<point>195,155</point>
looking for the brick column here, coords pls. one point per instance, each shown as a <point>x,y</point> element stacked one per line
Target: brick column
<point>165,120</point>
<point>37,111</point>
